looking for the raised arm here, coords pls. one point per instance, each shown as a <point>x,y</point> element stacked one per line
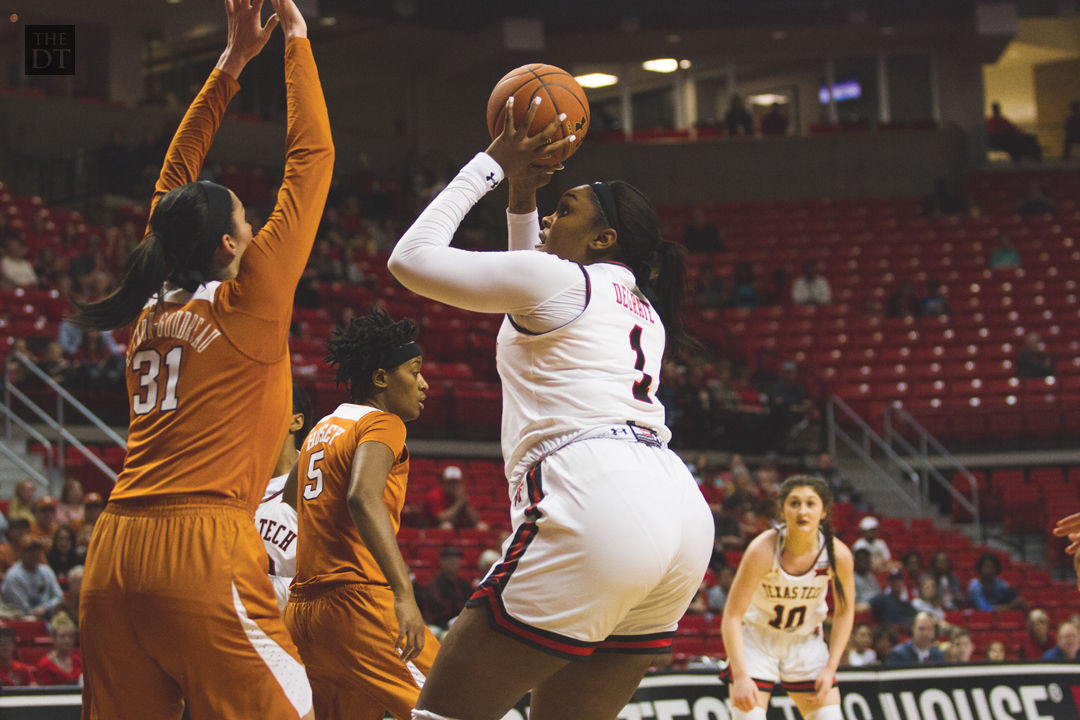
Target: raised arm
<point>187,151</point>
<point>273,264</point>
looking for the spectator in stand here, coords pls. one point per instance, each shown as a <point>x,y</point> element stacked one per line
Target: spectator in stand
<point>701,235</point>
<point>904,302</point>
<point>1072,129</point>
<point>942,201</point>
<point>326,267</point>
<point>70,604</point>
<point>63,664</point>
<point>30,586</point>
<point>920,649</point>
<point>64,553</point>
<point>92,510</point>
<point>889,607</point>
<point>15,371</point>
<point>12,672</point>
<point>711,289</point>
<point>779,293</point>
<point>866,584</point>
<point>44,525</point>
<point>728,536</point>
<point>97,363</point>
<point>987,591</point>
<point>746,292</point>
<point>70,510</point>
<point>54,364</point>
<point>1005,255</point>
<point>810,288</point>
<point>738,119</point>
<point>1033,361</point>
<point>9,550</point>
<point>774,122</point>
<point>859,651</point>
<point>718,592</point>
<point>880,557</point>
<point>743,491</point>
<point>789,406</point>
<point>949,590</point>
<point>928,600</point>
<point>911,564</point>
<point>963,647</point>
<point>16,270</point>
<point>1039,638</point>
<point>1068,643</point>
<point>936,303</point>
<point>447,506</point>
<point>1003,135</point>
<point>445,596</point>
<point>1035,201</point>
<point>995,651</point>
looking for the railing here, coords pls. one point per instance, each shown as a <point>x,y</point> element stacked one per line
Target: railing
<point>57,423</point>
<point>895,418</point>
<point>908,487</point>
<point>44,480</point>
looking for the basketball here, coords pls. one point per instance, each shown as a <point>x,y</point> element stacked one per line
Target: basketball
<point>560,93</point>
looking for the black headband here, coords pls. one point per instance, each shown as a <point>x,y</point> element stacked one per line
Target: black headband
<point>401,355</point>
<point>607,205</point>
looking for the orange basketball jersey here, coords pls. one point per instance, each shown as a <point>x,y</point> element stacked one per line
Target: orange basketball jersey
<point>329,549</point>
<point>208,373</point>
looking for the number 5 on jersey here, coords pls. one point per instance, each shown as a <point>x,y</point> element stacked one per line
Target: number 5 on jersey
<point>147,363</point>
<point>314,488</point>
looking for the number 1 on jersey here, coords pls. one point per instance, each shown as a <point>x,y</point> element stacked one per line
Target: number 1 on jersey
<point>641,387</point>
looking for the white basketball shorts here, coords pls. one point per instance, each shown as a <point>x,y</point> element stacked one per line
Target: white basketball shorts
<point>611,540</point>
<point>792,660</point>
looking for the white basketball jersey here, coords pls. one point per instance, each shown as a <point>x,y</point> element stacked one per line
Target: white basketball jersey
<point>790,603</point>
<point>602,368</point>
<point>276,522</point>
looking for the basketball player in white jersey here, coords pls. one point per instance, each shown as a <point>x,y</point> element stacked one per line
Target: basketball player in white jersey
<point>275,517</point>
<point>611,535</point>
<point>774,611</point>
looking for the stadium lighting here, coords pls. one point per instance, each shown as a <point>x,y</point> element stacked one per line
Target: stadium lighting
<point>768,99</point>
<point>661,65</point>
<point>328,21</point>
<point>596,80</point>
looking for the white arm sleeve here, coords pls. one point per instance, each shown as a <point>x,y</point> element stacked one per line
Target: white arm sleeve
<point>516,283</point>
<point>523,231</point>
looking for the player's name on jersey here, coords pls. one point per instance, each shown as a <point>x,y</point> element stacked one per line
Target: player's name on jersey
<point>180,325</point>
<point>784,592</point>
<point>323,435</point>
<point>625,297</point>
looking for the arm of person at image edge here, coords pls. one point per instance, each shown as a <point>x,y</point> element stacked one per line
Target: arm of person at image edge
<point>1069,527</point>
<point>370,467</point>
<point>752,568</point>
<point>843,619</point>
<point>509,282</point>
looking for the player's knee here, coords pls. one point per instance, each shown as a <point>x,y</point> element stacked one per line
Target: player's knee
<point>828,712</point>
<point>757,713</point>
<point>428,715</point>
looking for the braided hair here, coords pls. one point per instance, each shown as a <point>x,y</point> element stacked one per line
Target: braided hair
<point>363,346</point>
<point>821,489</point>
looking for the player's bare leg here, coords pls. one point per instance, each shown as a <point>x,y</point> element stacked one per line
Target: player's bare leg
<point>598,687</point>
<point>480,673</point>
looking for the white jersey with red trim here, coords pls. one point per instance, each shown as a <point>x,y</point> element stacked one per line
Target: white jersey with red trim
<point>277,525</point>
<point>792,603</point>
<point>602,368</point>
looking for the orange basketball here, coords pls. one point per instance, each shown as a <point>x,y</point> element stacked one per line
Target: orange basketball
<point>560,93</point>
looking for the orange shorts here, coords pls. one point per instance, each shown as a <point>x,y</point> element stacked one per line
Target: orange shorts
<point>346,636</point>
<point>177,607</point>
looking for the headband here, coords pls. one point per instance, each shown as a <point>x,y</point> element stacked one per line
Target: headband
<point>401,355</point>
<point>607,205</point>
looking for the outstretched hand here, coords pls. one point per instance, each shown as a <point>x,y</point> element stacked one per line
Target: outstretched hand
<point>1069,526</point>
<point>522,156</point>
<point>246,34</point>
<point>292,22</point>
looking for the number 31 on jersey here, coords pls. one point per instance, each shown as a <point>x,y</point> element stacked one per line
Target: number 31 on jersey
<point>147,365</point>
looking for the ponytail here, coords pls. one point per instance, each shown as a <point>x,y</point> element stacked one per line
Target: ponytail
<point>144,274</point>
<point>658,265</point>
<point>186,227</point>
<point>838,587</point>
